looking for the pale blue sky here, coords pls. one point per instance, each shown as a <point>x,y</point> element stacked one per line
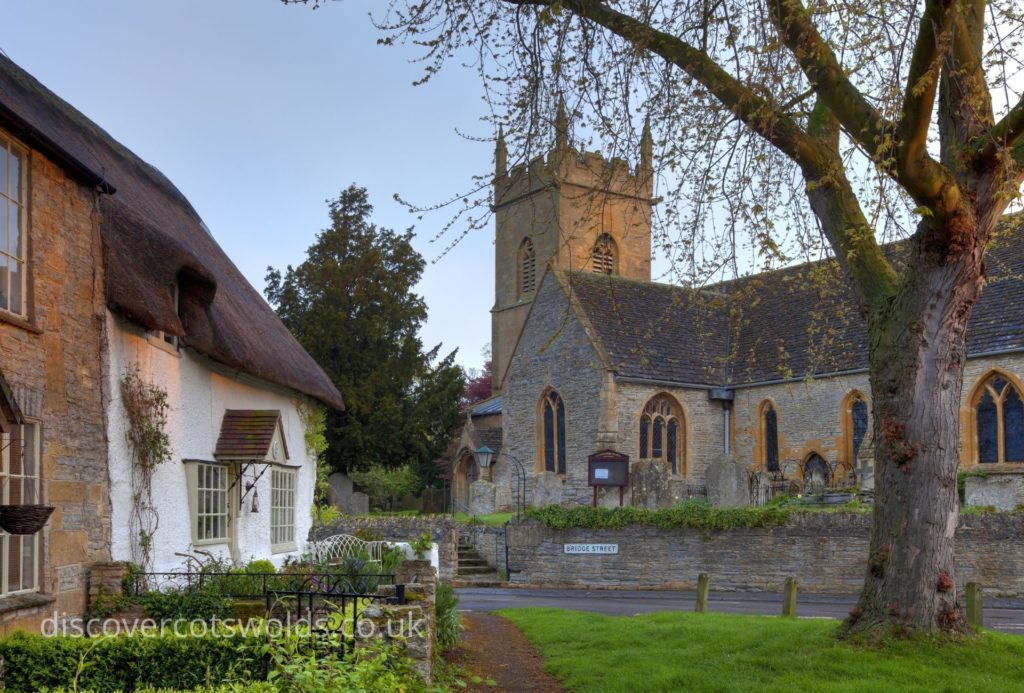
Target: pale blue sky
<point>259,112</point>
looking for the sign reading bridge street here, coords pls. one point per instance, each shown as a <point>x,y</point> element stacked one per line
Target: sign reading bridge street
<point>592,548</point>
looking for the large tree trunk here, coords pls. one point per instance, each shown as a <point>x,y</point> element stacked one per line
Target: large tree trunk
<point>918,350</point>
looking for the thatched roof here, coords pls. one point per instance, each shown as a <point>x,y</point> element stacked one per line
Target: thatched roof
<point>152,237</point>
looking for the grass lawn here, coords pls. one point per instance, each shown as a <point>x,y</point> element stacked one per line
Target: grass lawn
<point>725,652</point>
<point>494,519</point>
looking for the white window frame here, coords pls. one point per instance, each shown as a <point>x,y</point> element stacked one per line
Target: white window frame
<point>282,509</point>
<point>209,501</point>
<point>27,545</point>
<point>17,208</point>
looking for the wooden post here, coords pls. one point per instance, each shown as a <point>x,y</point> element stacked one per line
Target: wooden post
<point>789,598</point>
<point>702,593</point>
<point>975,598</point>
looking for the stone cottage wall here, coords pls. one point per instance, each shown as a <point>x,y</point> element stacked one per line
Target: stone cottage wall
<point>53,363</point>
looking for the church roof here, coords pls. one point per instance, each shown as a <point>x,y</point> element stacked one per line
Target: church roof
<point>784,324</point>
<point>152,237</point>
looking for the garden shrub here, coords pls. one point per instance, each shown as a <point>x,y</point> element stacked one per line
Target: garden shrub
<point>201,605</point>
<point>696,514</point>
<point>127,662</point>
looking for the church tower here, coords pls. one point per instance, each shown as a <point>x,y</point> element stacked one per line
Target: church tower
<point>570,210</point>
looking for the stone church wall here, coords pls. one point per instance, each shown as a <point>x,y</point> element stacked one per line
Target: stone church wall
<point>826,552</point>
<point>554,351</point>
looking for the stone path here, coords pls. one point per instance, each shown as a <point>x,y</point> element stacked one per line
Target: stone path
<point>493,648</point>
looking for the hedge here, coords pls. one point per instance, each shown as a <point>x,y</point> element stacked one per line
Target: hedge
<point>126,662</point>
<point>697,514</point>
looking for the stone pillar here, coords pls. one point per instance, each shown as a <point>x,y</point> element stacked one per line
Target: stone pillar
<point>481,497</point>
<point>106,580</point>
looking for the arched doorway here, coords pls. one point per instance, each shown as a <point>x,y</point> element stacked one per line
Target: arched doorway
<point>466,472</point>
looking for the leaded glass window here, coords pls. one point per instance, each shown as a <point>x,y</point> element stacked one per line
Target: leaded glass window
<point>13,228</point>
<point>211,503</point>
<point>771,439</point>
<point>662,433</point>
<point>553,423</point>
<point>859,414</point>
<point>282,509</point>
<point>999,420</point>
<point>19,474</point>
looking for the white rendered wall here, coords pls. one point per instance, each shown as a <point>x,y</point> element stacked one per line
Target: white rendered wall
<point>199,391</point>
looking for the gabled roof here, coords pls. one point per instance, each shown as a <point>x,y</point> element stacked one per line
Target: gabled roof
<point>152,237</point>
<point>789,323</point>
<point>247,433</point>
<point>491,405</point>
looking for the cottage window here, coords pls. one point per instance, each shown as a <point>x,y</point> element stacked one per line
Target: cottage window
<point>770,437</point>
<point>604,258</point>
<point>553,427</point>
<point>167,342</point>
<point>13,228</point>
<point>210,503</point>
<point>999,415</point>
<point>282,510</point>
<point>661,432</point>
<point>19,475</point>
<point>527,268</point>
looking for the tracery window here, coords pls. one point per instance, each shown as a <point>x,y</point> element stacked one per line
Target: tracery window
<point>527,268</point>
<point>999,415</point>
<point>553,432</point>
<point>662,436</point>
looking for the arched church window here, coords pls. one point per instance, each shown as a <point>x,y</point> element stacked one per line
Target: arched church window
<point>854,425</point>
<point>770,437</point>
<point>662,433</point>
<point>604,255</point>
<point>999,415</point>
<point>527,268</point>
<point>553,432</point>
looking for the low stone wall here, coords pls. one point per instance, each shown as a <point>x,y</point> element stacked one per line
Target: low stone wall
<point>826,552</point>
<point>401,528</point>
<point>1002,488</point>
<point>488,541</point>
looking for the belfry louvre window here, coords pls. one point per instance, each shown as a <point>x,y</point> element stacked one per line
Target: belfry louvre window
<point>282,509</point>
<point>604,259</point>
<point>999,412</point>
<point>211,515</point>
<point>20,478</point>
<point>553,426</point>
<point>527,268</point>
<point>662,435</point>
<point>13,228</point>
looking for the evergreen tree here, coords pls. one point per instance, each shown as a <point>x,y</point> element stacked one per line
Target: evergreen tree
<point>351,305</point>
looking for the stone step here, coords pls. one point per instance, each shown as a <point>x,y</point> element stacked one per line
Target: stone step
<point>475,570</point>
<point>471,562</point>
<point>492,580</point>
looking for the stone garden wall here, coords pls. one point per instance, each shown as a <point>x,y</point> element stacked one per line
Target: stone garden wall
<point>401,528</point>
<point>826,552</point>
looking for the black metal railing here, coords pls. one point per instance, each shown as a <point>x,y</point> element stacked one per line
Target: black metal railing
<point>242,585</point>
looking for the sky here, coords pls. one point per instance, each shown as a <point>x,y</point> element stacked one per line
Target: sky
<point>259,112</point>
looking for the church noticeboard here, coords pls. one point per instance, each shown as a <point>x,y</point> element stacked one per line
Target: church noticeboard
<point>608,468</point>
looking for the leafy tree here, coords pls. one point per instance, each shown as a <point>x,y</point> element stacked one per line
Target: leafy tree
<point>385,486</point>
<point>351,305</point>
<point>803,125</point>
<point>478,386</point>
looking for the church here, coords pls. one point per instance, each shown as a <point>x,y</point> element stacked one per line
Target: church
<point>594,361</point>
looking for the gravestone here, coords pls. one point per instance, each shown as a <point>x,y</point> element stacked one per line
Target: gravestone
<point>481,497</point>
<point>650,484</point>
<point>547,489</point>
<point>341,490</point>
<point>358,504</point>
<point>728,483</point>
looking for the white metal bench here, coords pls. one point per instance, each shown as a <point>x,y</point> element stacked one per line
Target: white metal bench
<point>341,546</point>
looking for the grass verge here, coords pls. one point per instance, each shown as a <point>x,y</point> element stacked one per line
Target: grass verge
<point>724,652</point>
<point>494,519</point>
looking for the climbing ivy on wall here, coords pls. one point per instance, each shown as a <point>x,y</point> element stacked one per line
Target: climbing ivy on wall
<point>145,406</point>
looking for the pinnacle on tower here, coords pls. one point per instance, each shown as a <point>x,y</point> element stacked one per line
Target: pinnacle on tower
<point>646,147</point>
<point>500,154</point>
<point>561,126</point>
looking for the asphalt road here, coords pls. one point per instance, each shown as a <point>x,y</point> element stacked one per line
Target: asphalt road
<point>1000,614</point>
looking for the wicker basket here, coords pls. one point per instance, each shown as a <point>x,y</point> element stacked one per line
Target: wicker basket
<point>24,519</point>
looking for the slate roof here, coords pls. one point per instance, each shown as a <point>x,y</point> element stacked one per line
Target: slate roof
<point>486,407</point>
<point>247,433</point>
<point>777,325</point>
<point>152,237</point>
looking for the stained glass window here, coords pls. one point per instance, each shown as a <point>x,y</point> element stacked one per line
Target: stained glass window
<point>554,433</point>
<point>661,432</point>
<point>859,413</point>
<point>999,417</point>
<point>771,439</point>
